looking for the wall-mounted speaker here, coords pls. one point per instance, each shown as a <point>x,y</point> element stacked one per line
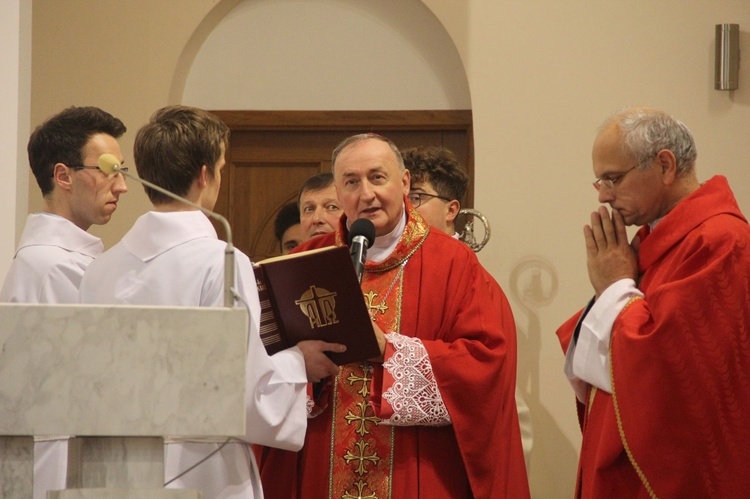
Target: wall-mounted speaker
<point>727,63</point>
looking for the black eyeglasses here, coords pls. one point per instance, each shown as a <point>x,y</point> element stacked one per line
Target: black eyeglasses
<point>415,198</point>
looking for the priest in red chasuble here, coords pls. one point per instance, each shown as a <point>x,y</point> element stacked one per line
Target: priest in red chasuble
<point>660,358</point>
<point>435,415</point>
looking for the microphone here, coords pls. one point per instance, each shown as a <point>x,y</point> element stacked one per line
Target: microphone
<point>109,164</point>
<point>361,237</point>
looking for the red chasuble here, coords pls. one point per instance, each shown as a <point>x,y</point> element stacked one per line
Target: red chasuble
<point>678,421</point>
<point>432,288</point>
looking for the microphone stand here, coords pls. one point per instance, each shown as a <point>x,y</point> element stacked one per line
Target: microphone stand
<point>359,255</point>
<point>228,251</point>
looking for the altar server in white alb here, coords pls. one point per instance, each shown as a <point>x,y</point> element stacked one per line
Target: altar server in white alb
<point>172,256</point>
<point>55,248</point>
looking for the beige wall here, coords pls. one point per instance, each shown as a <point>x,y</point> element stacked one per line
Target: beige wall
<point>542,75</point>
<point>15,76</point>
<point>325,55</point>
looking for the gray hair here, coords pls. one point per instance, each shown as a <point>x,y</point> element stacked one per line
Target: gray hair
<point>645,132</point>
<point>367,136</point>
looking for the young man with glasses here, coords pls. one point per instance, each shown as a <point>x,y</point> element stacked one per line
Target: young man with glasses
<point>55,248</point>
<point>658,359</point>
<point>438,185</point>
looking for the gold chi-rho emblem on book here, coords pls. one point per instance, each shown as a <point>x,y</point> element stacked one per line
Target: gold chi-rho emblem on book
<point>319,305</point>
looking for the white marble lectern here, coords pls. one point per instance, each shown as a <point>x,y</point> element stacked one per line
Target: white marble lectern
<point>120,378</point>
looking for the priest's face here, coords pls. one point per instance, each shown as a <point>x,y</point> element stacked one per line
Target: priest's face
<point>637,191</point>
<point>371,183</point>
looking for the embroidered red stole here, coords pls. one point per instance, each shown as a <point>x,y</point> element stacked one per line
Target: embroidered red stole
<point>362,450</point>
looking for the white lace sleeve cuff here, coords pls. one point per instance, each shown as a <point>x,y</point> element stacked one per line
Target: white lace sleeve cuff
<point>414,396</point>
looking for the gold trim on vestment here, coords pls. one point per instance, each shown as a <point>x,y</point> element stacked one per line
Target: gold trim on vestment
<point>620,428</point>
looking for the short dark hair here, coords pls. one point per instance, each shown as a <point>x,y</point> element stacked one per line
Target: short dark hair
<point>317,182</point>
<point>438,166</point>
<point>287,216</point>
<point>173,146</point>
<point>62,137</point>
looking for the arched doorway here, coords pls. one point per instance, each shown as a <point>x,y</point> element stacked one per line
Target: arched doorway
<point>293,78</point>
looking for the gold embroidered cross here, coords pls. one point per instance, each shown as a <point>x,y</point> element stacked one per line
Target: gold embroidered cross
<point>362,418</point>
<point>369,298</point>
<point>362,457</point>
<point>365,379</point>
<point>359,494</point>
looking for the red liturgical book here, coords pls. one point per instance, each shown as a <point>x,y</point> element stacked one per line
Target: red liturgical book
<point>314,295</point>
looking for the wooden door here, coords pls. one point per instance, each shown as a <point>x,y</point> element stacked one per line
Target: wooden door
<point>272,153</point>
